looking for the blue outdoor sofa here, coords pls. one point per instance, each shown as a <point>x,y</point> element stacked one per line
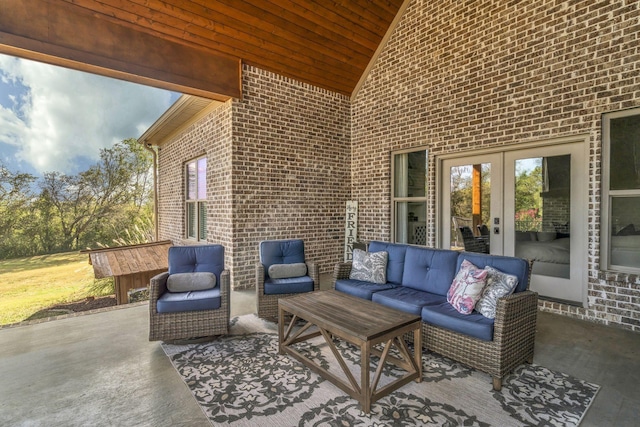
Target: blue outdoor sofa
<point>417,281</point>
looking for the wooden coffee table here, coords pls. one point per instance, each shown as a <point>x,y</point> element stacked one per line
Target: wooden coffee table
<point>360,322</point>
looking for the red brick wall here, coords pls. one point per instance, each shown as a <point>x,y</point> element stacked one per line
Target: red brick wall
<point>291,169</point>
<point>458,76</point>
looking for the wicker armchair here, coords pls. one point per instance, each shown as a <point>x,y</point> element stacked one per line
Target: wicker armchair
<point>473,243</point>
<point>186,314</point>
<point>268,289</point>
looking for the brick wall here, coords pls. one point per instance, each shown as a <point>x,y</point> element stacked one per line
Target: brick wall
<point>291,169</point>
<point>278,166</point>
<point>556,214</point>
<point>211,137</point>
<point>459,76</point>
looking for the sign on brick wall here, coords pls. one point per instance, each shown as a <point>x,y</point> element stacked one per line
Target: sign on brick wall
<point>350,228</point>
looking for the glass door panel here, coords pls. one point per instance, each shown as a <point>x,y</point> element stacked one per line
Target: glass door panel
<point>542,214</point>
<point>544,217</point>
<point>471,206</point>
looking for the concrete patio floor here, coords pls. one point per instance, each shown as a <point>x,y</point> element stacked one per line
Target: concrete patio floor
<point>100,370</point>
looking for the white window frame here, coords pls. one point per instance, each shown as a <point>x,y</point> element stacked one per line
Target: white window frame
<point>199,202</point>
<point>606,223</point>
<point>396,200</point>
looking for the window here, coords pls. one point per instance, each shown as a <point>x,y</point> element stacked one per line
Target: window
<point>620,214</point>
<point>409,196</point>
<point>196,197</point>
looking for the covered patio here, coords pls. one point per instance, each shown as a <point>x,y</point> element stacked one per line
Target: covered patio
<point>100,369</point>
<point>308,112</point>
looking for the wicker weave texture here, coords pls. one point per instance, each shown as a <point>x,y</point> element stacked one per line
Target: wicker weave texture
<point>342,270</point>
<point>513,338</point>
<point>268,304</point>
<point>188,324</point>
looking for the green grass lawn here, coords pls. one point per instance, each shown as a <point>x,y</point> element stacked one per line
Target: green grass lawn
<point>28,285</point>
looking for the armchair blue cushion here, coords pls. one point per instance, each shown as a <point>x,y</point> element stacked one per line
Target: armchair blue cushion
<point>283,252</point>
<point>269,289</point>
<point>194,313</point>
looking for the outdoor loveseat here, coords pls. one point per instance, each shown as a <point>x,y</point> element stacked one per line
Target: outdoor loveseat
<point>417,280</point>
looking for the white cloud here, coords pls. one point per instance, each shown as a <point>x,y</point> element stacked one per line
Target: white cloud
<point>65,115</point>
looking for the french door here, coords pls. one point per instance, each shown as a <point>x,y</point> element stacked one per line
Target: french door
<point>529,203</point>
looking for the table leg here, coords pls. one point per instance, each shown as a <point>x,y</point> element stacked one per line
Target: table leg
<point>280,330</point>
<point>365,363</point>
<point>417,352</point>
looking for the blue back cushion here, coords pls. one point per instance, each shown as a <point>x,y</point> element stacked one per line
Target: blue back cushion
<point>202,258</point>
<point>511,265</point>
<point>395,264</point>
<point>430,270</point>
<point>281,252</point>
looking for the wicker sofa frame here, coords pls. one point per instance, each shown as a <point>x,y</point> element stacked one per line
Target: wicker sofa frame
<point>187,324</point>
<point>268,304</point>
<point>513,337</point>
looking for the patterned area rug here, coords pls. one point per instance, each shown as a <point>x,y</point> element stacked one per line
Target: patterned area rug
<point>241,380</point>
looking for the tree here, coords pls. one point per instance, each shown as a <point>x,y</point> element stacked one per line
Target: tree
<point>15,197</point>
<point>94,204</point>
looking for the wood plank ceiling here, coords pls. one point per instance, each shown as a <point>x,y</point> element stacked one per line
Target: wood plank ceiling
<point>327,44</point>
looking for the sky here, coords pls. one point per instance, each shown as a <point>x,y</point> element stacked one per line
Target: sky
<point>57,119</point>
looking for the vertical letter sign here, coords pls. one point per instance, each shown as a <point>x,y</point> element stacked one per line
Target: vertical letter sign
<point>350,228</point>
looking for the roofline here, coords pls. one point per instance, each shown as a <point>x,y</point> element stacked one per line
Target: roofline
<point>170,122</point>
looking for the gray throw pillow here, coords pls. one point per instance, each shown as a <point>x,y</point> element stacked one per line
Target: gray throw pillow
<point>369,266</point>
<point>185,282</point>
<point>499,285</point>
<point>285,271</point>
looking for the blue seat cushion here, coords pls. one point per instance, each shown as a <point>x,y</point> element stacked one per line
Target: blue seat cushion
<point>445,316</point>
<point>361,289</point>
<point>173,302</point>
<point>395,260</point>
<point>407,299</point>
<point>510,265</point>
<point>429,270</point>
<point>290,285</point>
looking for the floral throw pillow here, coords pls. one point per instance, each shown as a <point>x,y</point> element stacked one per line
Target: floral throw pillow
<point>467,287</point>
<point>369,266</point>
<point>499,284</point>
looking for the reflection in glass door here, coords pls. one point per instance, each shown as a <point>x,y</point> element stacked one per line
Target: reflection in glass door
<point>542,213</point>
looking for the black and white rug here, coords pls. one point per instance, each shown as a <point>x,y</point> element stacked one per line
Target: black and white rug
<point>241,380</point>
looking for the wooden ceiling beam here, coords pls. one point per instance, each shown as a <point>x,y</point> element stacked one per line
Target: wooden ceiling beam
<point>63,34</point>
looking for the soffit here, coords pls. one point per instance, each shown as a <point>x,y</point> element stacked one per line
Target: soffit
<point>328,44</point>
<point>185,111</point>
